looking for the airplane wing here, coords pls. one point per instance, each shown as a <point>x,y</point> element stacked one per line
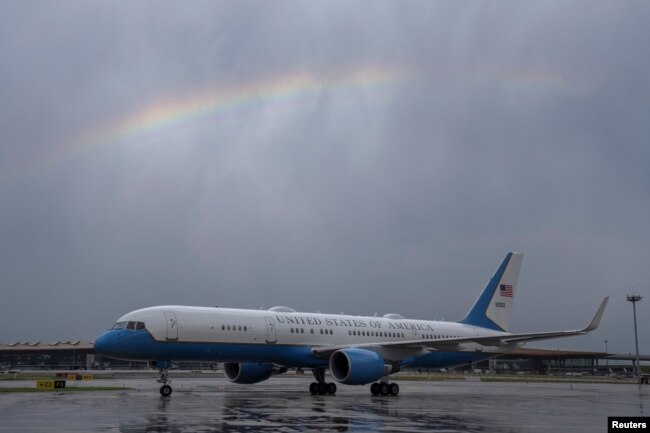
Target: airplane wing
<point>453,344</point>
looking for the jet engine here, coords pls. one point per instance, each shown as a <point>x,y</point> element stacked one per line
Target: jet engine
<point>249,372</point>
<point>358,366</point>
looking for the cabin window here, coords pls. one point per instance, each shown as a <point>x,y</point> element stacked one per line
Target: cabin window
<point>312,330</point>
<point>321,331</point>
<point>302,330</point>
<point>245,328</point>
<point>239,327</point>
<point>139,325</point>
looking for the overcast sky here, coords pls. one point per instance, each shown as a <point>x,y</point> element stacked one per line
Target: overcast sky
<point>357,157</point>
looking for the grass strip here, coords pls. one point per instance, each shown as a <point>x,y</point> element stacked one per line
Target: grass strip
<point>63,390</point>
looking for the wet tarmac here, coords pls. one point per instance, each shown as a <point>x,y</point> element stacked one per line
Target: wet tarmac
<point>283,404</point>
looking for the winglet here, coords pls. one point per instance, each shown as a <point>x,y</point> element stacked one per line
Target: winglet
<point>596,320</point>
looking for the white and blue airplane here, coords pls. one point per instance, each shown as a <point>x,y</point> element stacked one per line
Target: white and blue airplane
<point>253,345</point>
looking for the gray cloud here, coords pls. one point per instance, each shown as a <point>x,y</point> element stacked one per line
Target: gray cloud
<point>516,126</point>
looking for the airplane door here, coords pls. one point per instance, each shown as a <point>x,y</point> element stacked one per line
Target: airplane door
<point>172,325</point>
<point>271,332</point>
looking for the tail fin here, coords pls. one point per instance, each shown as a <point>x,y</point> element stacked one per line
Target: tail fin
<point>492,308</point>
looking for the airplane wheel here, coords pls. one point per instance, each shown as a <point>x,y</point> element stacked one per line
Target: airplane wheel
<point>165,390</point>
<point>374,389</point>
<point>322,388</point>
<point>394,389</point>
<point>313,388</point>
<point>384,389</point>
<point>331,388</point>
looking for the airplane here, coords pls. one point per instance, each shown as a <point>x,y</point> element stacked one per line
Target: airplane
<point>253,345</point>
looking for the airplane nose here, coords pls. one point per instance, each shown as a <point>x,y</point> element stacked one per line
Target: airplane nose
<point>105,343</point>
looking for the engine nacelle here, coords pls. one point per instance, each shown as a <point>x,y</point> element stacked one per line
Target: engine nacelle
<point>358,366</point>
<point>247,372</point>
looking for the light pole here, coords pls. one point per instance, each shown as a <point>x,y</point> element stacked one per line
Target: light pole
<point>634,299</point>
<point>606,352</point>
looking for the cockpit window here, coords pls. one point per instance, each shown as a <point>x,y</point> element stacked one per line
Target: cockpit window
<point>134,326</point>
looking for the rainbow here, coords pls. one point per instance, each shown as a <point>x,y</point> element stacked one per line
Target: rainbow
<point>212,102</point>
<point>219,101</point>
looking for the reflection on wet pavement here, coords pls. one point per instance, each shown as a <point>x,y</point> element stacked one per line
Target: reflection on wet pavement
<point>237,413</point>
<point>285,405</point>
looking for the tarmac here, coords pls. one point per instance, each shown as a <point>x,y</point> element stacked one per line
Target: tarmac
<point>284,404</point>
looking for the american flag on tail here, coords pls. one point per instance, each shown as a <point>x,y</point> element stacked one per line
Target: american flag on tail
<point>505,290</point>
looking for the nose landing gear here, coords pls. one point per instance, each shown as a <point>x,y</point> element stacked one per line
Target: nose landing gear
<point>165,389</point>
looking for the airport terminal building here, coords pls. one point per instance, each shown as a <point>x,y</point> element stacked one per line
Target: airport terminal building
<point>78,355</point>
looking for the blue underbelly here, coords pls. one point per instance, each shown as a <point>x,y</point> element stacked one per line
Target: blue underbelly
<point>140,346</point>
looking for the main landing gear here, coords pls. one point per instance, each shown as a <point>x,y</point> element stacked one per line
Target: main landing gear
<point>320,387</point>
<point>384,388</point>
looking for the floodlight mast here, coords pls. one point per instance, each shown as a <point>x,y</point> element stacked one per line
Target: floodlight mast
<point>634,299</point>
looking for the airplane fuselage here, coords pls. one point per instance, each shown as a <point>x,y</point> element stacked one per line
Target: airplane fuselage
<point>283,337</point>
